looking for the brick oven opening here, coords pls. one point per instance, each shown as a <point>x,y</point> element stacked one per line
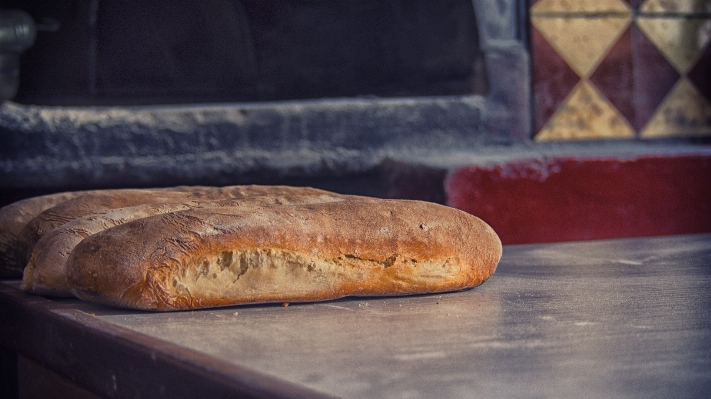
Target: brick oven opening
<point>179,51</point>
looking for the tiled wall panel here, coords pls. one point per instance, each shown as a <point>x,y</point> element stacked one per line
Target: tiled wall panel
<point>621,69</point>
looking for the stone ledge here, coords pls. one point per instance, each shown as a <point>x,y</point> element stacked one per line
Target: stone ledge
<point>569,198</point>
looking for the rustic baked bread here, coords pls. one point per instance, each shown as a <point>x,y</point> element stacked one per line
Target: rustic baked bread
<point>103,200</point>
<point>211,257</point>
<point>45,273</point>
<point>13,219</point>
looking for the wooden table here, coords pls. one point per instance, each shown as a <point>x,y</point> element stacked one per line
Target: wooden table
<point>608,319</point>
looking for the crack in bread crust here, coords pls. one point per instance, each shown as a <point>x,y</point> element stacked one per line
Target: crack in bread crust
<point>266,275</point>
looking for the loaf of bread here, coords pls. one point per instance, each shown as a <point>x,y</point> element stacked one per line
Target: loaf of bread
<point>13,219</point>
<point>209,257</point>
<point>45,273</point>
<point>103,200</point>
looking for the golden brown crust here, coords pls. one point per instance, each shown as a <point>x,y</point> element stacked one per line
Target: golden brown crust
<point>224,256</point>
<point>102,200</point>
<point>13,219</point>
<point>45,273</point>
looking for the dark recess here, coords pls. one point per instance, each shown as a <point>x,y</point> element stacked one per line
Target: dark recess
<point>91,52</point>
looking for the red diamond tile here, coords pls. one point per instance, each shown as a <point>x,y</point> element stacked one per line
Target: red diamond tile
<point>553,79</point>
<point>614,77</point>
<point>634,3</point>
<point>700,74</point>
<point>654,77</point>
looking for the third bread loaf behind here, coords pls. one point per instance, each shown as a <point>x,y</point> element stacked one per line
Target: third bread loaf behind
<point>13,218</point>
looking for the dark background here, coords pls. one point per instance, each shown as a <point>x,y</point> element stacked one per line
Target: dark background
<point>91,52</point>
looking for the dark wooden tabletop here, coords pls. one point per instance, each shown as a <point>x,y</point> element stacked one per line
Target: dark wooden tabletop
<point>627,318</point>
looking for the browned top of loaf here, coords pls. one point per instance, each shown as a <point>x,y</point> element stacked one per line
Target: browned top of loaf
<point>13,219</point>
<point>99,201</point>
<point>130,265</point>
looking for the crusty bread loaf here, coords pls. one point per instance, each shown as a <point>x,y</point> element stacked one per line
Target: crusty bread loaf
<point>103,200</point>
<point>234,255</point>
<point>13,219</point>
<point>45,273</point>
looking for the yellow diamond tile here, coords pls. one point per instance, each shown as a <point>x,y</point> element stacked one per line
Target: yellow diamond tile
<point>679,39</point>
<point>585,115</point>
<point>579,6</point>
<point>581,42</point>
<point>684,112</point>
<point>676,6</point>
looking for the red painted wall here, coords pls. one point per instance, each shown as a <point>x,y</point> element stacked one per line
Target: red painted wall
<point>567,199</point>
